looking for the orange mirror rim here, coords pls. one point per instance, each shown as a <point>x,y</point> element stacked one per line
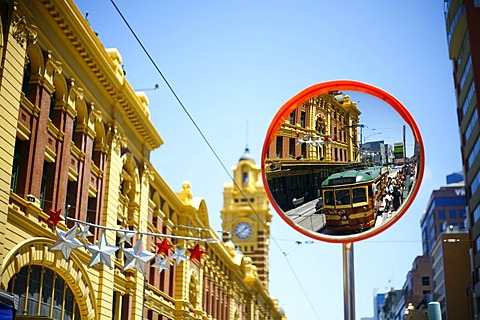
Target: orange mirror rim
<point>342,85</point>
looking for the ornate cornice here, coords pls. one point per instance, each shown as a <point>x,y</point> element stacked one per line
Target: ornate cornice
<point>94,60</point>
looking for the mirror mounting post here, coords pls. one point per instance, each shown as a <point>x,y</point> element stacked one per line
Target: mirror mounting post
<point>348,282</point>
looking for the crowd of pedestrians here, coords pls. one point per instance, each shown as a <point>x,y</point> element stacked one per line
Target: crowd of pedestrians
<point>395,187</point>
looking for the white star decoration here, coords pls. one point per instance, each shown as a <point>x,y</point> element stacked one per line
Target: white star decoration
<point>179,256</point>
<point>66,242</point>
<point>137,258</point>
<point>126,236</point>
<point>84,232</point>
<point>162,264</point>
<point>101,252</point>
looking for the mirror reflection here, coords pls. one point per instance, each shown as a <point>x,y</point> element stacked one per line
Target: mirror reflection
<point>341,164</point>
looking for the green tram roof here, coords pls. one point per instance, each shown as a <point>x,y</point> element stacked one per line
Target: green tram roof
<point>352,176</point>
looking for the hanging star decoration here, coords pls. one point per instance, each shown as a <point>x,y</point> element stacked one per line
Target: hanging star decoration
<point>54,217</point>
<point>126,236</point>
<point>66,242</point>
<point>101,252</point>
<point>162,264</point>
<point>137,258</point>
<point>83,231</point>
<point>196,253</point>
<point>179,255</point>
<point>163,247</point>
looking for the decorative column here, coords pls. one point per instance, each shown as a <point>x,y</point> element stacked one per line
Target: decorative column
<point>19,34</point>
<point>116,141</point>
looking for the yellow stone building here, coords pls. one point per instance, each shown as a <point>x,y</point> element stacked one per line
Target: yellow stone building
<point>75,140</point>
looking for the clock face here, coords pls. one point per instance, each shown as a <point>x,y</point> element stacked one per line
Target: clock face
<point>243,230</point>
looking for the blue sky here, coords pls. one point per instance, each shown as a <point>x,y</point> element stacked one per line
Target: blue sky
<point>237,62</point>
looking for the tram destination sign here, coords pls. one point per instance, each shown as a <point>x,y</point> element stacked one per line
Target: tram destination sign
<point>340,181</point>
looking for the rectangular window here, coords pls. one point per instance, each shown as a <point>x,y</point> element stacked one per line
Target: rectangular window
<point>47,287</point>
<point>468,99</point>
<point>43,189</point>
<point>359,195</point>
<point>471,125</point>
<point>302,119</point>
<point>328,198</point>
<point>16,164</point>
<point>342,197</point>
<point>475,183</point>
<point>466,71</point>
<point>441,214</point>
<point>291,148</point>
<point>279,145</point>
<point>33,292</point>
<point>292,117</point>
<point>425,281</point>
<point>58,297</point>
<point>473,154</point>
<point>452,214</point>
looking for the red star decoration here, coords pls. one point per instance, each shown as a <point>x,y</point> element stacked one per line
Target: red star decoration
<point>55,216</point>
<point>335,138</point>
<point>163,247</point>
<point>196,253</point>
<point>325,138</point>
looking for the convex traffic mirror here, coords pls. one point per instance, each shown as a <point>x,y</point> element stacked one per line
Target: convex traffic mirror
<point>342,161</point>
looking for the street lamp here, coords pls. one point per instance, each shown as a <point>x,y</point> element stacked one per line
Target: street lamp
<point>365,139</point>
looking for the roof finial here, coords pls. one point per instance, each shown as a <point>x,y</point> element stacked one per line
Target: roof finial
<point>246,137</point>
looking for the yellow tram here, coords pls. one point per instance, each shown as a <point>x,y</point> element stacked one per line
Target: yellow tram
<point>352,198</point>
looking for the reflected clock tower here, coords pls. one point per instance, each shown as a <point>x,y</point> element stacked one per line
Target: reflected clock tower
<point>246,215</point>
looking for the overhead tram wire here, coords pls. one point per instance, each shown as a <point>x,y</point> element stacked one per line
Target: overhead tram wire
<point>209,146</point>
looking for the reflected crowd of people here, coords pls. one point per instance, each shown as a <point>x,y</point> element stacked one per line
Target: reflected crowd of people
<point>397,187</point>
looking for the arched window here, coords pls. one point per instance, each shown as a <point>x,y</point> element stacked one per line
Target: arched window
<point>42,292</point>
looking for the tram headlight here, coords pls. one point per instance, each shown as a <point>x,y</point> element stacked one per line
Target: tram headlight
<point>344,218</point>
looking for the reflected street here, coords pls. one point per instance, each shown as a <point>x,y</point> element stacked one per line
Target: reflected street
<point>305,216</point>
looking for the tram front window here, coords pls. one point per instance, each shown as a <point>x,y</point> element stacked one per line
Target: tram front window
<point>342,197</point>
<point>328,198</point>
<point>359,195</point>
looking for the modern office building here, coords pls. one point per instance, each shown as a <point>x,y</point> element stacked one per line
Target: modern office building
<point>418,285</point>
<point>88,227</point>
<point>451,274</point>
<point>446,207</point>
<point>378,301</point>
<point>391,308</point>
<point>462,18</point>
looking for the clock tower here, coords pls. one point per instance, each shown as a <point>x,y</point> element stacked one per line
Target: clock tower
<point>246,215</point>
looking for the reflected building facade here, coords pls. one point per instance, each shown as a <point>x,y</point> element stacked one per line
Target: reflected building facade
<point>314,141</point>
<point>374,152</point>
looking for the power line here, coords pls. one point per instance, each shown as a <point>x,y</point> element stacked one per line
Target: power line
<point>208,144</point>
